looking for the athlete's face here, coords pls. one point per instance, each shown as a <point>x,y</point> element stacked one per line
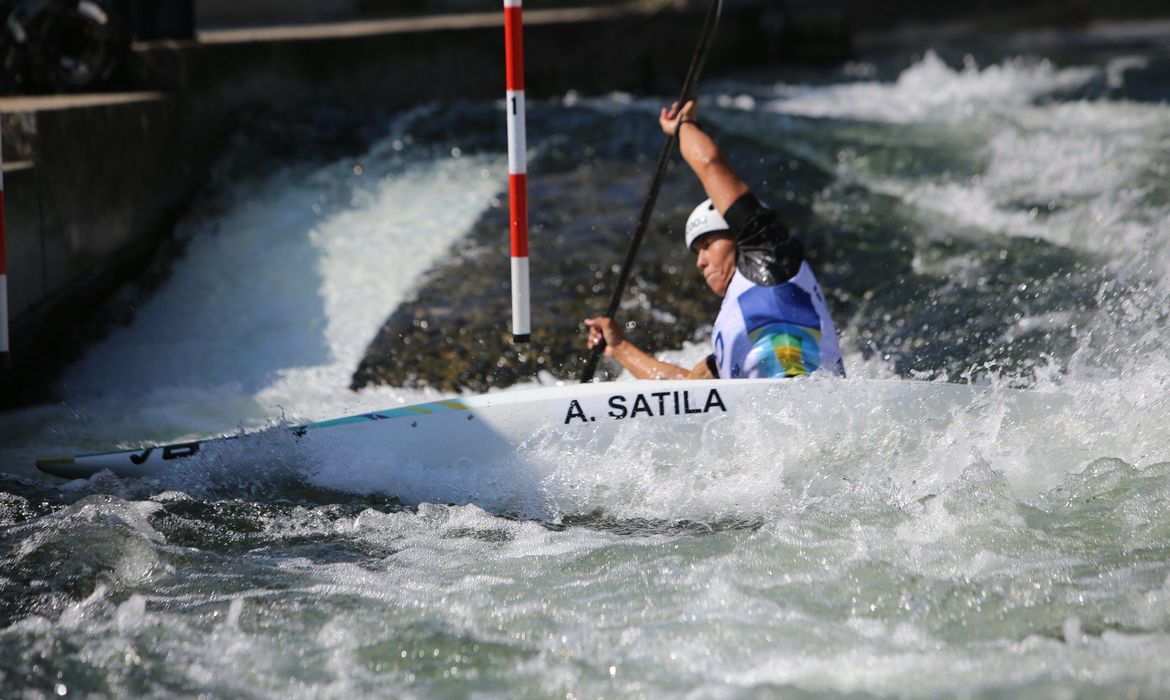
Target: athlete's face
<point>716,260</point>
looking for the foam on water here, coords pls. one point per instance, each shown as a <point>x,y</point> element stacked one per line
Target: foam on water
<point>1081,173</point>
<point>285,272</point>
<point>931,90</point>
<point>964,590</point>
<point>281,305</point>
<point>1007,550</point>
<point>1088,173</point>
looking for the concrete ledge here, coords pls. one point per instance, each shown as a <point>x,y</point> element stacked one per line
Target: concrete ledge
<point>366,28</point>
<point>395,63</point>
<point>47,103</point>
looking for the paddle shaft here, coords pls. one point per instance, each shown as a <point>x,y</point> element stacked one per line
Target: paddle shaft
<point>688,90</point>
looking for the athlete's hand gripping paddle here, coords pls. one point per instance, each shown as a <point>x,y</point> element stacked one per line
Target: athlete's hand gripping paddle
<point>688,91</point>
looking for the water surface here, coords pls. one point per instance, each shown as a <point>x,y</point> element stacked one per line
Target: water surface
<point>999,220</point>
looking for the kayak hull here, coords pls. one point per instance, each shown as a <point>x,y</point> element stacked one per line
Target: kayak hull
<point>503,427</point>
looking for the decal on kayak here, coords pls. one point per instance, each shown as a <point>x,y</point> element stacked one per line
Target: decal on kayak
<point>655,404</point>
<point>416,410</point>
<point>169,452</point>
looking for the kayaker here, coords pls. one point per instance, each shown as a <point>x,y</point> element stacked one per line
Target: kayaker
<point>773,321</point>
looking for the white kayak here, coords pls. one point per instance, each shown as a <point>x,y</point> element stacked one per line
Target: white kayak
<point>681,416</point>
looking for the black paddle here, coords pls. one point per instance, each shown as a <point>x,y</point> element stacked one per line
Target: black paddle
<point>697,61</point>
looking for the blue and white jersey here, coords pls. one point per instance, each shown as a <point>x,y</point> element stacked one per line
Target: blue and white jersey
<point>783,330</point>
<point>774,321</point>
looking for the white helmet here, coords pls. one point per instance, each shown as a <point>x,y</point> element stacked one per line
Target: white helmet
<point>703,220</point>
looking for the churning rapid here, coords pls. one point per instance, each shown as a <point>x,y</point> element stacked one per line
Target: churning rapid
<point>995,220</point>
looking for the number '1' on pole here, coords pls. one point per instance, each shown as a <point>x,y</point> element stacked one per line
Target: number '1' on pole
<point>517,170</point>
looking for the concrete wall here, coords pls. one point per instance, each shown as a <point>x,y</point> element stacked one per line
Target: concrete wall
<point>98,181</point>
<point>137,170</point>
<point>401,62</point>
<point>26,261</point>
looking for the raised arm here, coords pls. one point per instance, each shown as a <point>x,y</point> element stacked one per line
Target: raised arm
<point>701,152</point>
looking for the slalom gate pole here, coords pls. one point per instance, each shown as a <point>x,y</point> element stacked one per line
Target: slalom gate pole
<point>517,170</point>
<point>4,356</point>
<point>688,91</point>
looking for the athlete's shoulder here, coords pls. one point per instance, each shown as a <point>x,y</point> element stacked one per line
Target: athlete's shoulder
<point>768,254</point>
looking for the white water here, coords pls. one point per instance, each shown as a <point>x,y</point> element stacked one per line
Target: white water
<point>1095,163</point>
<point>944,562</point>
<point>280,307</point>
<point>280,290</point>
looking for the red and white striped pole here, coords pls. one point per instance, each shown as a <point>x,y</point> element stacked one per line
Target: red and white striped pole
<point>3,270</point>
<point>517,170</point>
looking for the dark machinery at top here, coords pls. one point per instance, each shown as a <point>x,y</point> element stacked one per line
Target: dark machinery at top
<point>60,45</point>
